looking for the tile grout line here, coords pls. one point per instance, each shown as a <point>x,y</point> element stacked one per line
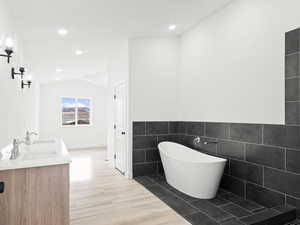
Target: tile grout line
<point>285,199</point>
<point>263,176</point>
<point>252,211</point>
<point>238,206</point>
<point>262,134</point>
<point>285,159</point>
<point>245,190</point>
<point>292,77</point>
<point>293,101</point>
<point>244,151</point>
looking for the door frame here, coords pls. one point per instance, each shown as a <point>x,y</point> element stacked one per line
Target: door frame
<point>126,155</point>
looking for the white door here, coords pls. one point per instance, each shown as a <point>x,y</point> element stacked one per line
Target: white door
<point>120,126</point>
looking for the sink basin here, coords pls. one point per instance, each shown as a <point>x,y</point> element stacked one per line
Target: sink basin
<point>40,149</point>
<point>43,142</point>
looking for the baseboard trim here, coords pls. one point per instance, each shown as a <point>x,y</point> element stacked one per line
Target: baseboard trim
<point>89,148</point>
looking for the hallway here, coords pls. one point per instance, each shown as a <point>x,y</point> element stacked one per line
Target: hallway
<point>100,195</point>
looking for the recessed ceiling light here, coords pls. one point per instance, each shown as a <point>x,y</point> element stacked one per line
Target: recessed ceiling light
<point>62,32</point>
<point>57,79</point>
<point>172,27</point>
<point>59,70</point>
<point>78,52</point>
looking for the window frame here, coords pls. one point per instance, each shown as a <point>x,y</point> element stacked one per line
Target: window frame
<point>76,113</point>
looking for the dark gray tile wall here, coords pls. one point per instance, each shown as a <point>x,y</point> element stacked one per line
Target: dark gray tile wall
<point>146,136</point>
<point>263,160</point>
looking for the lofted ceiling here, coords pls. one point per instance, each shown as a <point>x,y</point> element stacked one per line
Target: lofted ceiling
<point>95,26</point>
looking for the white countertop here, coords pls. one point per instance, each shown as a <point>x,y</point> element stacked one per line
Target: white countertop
<point>41,153</point>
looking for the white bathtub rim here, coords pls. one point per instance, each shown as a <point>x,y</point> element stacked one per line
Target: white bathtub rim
<point>195,162</point>
<point>217,159</point>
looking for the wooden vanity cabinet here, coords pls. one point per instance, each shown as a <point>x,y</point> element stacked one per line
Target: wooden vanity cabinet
<point>35,196</point>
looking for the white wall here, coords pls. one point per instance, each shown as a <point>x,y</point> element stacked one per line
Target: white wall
<point>50,113</point>
<point>152,82</point>
<point>232,64</point>
<point>153,76</point>
<point>231,67</point>
<point>18,111</point>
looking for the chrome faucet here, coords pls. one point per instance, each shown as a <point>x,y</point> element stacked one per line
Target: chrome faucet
<point>15,150</point>
<point>197,140</point>
<point>28,137</point>
<point>210,142</point>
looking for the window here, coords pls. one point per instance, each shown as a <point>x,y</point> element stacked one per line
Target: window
<point>76,111</point>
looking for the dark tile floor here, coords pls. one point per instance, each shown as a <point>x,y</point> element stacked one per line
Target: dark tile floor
<point>225,209</point>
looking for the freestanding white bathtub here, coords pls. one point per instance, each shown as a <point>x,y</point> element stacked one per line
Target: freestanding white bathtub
<point>191,172</point>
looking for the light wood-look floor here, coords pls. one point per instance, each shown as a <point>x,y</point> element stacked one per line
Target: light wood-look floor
<point>100,195</point>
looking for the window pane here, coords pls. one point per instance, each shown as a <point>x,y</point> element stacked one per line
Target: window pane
<point>83,107</point>
<point>68,111</point>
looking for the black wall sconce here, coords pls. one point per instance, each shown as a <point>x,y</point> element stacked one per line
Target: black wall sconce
<point>21,73</point>
<point>8,54</point>
<point>23,84</point>
<point>7,44</point>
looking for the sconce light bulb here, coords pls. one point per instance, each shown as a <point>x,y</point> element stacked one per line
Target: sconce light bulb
<point>172,27</point>
<point>63,32</point>
<point>78,52</point>
<point>29,77</point>
<point>9,43</point>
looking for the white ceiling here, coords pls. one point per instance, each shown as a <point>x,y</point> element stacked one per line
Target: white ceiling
<point>94,26</point>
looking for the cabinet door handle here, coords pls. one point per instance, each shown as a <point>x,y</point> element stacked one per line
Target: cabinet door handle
<point>123,133</point>
<point>1,187</point>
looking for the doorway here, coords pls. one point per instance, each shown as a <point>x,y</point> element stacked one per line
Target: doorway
<point>120,128</point>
